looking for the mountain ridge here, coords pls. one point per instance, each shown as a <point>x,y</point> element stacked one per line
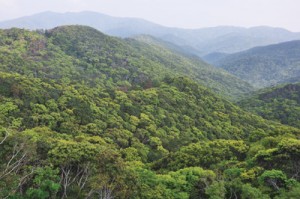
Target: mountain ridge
<point>265,65</point>
<point>226,39</point>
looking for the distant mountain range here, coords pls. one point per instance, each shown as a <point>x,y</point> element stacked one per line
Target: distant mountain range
<point>263,66</point>
<point>197,41</point>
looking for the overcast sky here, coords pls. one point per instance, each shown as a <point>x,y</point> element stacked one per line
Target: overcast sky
<point>176,13</point>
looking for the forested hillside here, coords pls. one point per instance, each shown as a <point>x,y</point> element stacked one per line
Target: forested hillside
<point>264,66</point>
<point>217,80</point>
<point>84,115</point>
<point>87,54</point>
<point>280,104</point>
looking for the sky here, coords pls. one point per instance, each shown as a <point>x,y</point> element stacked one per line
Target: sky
<point>173,13</point>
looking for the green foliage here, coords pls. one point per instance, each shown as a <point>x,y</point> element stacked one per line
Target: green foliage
<point>46,184</point>
<point>265,66</point>
<point>292,193</point>
<point>217,80</point>
<point>273,178</point>
<point>283,155</point>
<point>281,104</point>
<point>216,190</point>
<point>206,154</point>
<point>249,192</point>
<point>81,53</point>
<point>83,115</point>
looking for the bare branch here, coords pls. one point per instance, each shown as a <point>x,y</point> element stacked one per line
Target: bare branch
<point>5,137</point>
<point>13,167</point>
<point>80,177</point>
<point>84,177</point>
<point>25,177</point>
<point>15,162</point>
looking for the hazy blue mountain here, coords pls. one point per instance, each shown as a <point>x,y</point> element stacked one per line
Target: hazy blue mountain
<point>214,57</point>
<point>202,41</point>
<point>116,26</point>
<point>234,39</point>
<point>265,66</point>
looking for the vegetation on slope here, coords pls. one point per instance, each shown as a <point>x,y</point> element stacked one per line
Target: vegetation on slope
<point>217,80</point>
<point>265,66</point>
<point>100,141</point>
<point>280,104</point>
<point>70,130</point>
<point>89,55</point>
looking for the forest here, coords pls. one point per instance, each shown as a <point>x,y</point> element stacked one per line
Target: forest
<point>86,115</point>
<point>280,103</point>
<point>263,66</point>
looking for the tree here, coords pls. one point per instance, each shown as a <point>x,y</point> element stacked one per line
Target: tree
<point>45,184</point>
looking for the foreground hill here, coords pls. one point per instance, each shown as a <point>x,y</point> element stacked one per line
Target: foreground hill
<point>87,54</point>
<point>281,104</point>
<point>264,66</point>
<point>201,41</point>
<point>81,117</point>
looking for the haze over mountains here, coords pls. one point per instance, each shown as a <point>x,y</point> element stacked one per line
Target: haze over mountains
<point>199,41</point>
<point>263,66</point>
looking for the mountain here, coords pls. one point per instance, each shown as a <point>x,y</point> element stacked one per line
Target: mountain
<point>281,104</point>
<point>219,81</point>
<point>214,58</point>
<point>86,115</point>
<point>223,39</point>
<point>112,25</point>
<point>264,66</point>
<point>97,55</point>
<point>236,39</point>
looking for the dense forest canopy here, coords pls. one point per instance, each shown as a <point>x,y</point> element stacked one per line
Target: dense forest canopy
<point>84,115</point>
<point>281,103</point>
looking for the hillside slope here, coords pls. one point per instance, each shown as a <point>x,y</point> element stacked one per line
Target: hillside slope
<point>280,104</point>
<point>88,54</point>
<point>219,81</point>
<point>265,66</point>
